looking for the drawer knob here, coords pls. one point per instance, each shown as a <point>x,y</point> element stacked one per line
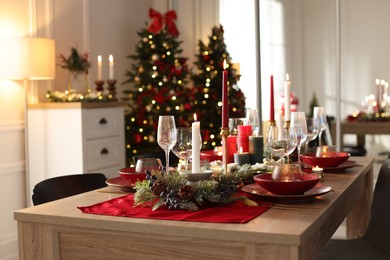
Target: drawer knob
<point>104,151</point>
<point>103,121</point>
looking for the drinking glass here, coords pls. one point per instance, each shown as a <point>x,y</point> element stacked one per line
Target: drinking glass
<point>166,135</point>
<point>234,122</point>
<point>320,115</point>
<point>150,164</point>
<point>299,130</point>
<point>252,119</point>
<point>183,146</point>
<point>281,141</point>
<point>312,129</point>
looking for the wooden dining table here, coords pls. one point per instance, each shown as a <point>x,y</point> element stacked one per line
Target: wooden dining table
<point>59,230</point>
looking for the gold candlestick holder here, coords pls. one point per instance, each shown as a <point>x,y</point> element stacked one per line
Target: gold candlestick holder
<point>111,88</point>
<point>286,125</point>
<point>99,85</point>
<point>224,134</point>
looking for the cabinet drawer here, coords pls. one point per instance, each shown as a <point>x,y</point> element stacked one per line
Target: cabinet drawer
<point>103,122</point>
<point>103,153</point>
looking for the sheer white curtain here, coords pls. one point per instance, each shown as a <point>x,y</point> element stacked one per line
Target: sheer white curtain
<point>238,20</point>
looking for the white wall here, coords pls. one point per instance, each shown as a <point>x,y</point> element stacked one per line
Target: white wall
<point>364,51</point>
<point>14,20</point>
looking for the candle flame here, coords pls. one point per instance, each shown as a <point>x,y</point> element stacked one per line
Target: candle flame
<point>99,58</point>
<point>377,81</point>
<point>224,64</point>
<point>240,150</point>
<point>195,117</point>
<point>111,58</point>
<point>287,77</point>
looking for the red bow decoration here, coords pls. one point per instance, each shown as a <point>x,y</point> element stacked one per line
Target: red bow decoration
<point>158,21</point>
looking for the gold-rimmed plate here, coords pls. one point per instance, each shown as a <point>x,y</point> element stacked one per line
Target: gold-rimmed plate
<point>121,183</point>
<point>345,165</point>
<point>256,189</point>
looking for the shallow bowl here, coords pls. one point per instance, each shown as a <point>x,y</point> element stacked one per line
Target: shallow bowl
<point>298,184</point>
<point>325,161</point>
<point>131,175</point>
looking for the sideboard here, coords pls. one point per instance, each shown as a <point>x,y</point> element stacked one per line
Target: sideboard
<point>74,138</point>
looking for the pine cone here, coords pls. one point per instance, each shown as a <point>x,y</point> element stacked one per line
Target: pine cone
<point>186,192</point>
<point>158,187</point>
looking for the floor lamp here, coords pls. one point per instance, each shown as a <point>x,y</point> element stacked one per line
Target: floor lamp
<point>27,59</point>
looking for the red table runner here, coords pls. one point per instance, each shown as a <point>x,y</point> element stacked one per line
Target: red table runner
<point>235,212</point>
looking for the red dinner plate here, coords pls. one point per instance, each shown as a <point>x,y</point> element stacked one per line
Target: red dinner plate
<point>257,190</point>
<point>345,165</point>
<point>120,183</point>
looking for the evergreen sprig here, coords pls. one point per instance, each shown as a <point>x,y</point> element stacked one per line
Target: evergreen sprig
<point>173,191</point>
<point>75,62</point>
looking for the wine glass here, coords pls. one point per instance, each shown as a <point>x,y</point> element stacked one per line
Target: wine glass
<point>252,119</point>
<point>281,140</point>
<point>312,131</point>
<point>166,135</point>
<point>183,146</point>
<point>320,115</point>
<point>234,122</point>
<point>299,130</point>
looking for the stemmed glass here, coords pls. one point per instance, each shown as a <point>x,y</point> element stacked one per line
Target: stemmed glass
<point>252,119</point>
<point>312,131</point>
<point>299,130</point>
<point>183,146</point>
<point>166,135</point>
<point>320,115</point>
<point>281,140</point>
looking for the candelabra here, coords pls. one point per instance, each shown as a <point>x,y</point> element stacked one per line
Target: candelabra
<point>112,88</point>
<point>224,134</point>
<point>99,85</point>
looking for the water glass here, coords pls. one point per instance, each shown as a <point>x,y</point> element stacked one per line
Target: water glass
<point>166,135</point>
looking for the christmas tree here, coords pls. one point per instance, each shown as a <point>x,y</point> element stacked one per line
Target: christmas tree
<point>207,79</point>
<point>158,79</point>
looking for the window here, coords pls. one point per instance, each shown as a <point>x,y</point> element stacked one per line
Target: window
<point>238,19</point>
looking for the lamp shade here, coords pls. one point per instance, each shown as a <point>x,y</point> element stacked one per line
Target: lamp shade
<point>27,58</point>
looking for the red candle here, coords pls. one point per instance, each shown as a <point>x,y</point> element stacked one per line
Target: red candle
<point>225,101</point>
<point>272,111</point>
<point>243,133</point>
<point>231,143</point>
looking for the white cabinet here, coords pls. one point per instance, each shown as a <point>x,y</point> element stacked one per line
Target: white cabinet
<point>73,138</point>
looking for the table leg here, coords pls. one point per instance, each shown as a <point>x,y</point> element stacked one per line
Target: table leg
<point>357,219</point>
<point>361,140</point>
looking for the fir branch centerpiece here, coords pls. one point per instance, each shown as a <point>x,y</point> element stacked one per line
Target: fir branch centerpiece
<point>173,191</point>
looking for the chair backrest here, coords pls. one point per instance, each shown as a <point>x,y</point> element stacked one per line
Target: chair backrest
<point>378,230</point>
<point>65,186</point>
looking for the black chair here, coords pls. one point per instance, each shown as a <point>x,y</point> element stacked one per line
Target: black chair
<point>375,243</point>
<point>67,185</point>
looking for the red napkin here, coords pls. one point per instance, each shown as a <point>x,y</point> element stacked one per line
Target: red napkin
<point>235,212</point>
